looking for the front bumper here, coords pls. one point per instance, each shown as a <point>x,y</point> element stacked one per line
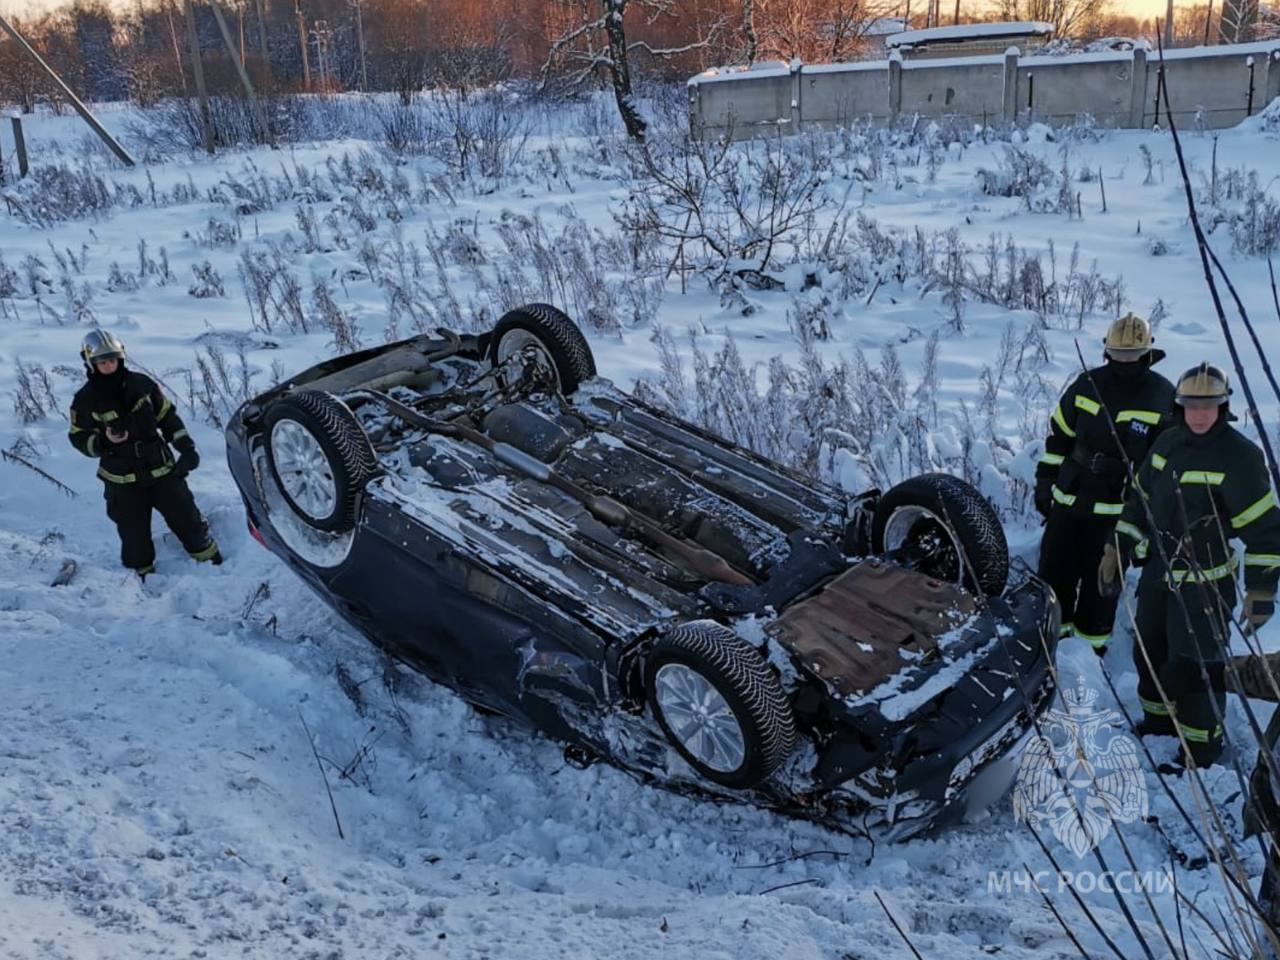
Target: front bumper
<point>958,753</point>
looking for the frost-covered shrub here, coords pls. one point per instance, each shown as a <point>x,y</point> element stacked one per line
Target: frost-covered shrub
<point>331,317</point>
<point>1237,200</point>
<point>120,280</point>
<point>856,424</point>
<point>1027,176</point>
<point>54,193</point>
<point>207,282</point>
<point>272,289</point>
<point>219,233</point>
<point>34,397</point>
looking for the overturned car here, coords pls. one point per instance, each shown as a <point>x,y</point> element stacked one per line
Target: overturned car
<point>487,509</point>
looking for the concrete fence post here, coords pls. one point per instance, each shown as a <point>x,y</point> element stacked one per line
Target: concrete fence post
<point>1273,76</point>
<point>1009,101</point>
<point>796,116</point>
<point>895,84</point>
<point>1138,90</point>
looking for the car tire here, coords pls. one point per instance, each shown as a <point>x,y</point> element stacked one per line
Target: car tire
<point>974,552</point>
<point>552,332</point>
<point>753,729</point>
<point>319,457</point>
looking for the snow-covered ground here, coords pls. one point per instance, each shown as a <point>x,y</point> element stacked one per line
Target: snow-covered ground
<point>158,791</point>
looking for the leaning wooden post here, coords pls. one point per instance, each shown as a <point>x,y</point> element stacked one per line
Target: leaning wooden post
<point>197,71</point>
<point>20,147</point>
<point>254,105</point>
<point>80,108</point>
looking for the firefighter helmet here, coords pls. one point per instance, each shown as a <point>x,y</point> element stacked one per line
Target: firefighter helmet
<point>1128,338</point>
<point>101,344</point>
<point>1203,384</point>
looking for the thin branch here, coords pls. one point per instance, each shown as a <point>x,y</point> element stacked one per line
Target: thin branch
<point>315,753</point>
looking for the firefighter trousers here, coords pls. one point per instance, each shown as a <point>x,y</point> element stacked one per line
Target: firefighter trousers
<point>1070,552</point>
<point>129,506</point>
<point>1180,627</point>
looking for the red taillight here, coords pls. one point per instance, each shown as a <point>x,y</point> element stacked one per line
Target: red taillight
<point>253,532</point>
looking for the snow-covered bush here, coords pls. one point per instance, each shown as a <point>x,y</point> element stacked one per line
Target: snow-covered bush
<point>34,398</point>
<point>857,425</point>
<point>207,281</point>
<point>272,290</point>
<point>1023,174</point>
<point>1237,200</point>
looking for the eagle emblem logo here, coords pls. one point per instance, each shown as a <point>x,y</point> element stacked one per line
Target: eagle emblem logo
<point>1080,774</point>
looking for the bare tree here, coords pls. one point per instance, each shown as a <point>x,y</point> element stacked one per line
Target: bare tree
<point>596,40</point>
<point>749,29</point>
<point>817,30</point>
<point>1068,17</point>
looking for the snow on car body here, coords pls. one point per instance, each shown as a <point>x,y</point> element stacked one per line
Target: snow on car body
<point>488,510</point>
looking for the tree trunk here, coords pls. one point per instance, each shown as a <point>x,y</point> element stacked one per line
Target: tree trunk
<point>749,29</point>
<point>620,69</point>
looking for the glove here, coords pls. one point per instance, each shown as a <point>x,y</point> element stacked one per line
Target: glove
<point>188,460</point>
<point>1110,582</point>
<point>1259,607</point>
<point>1255,674</point>
<point>1044,497</point>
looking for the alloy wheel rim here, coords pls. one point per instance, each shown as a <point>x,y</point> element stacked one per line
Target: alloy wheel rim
<point>700,718</point>
<point>303,469</point>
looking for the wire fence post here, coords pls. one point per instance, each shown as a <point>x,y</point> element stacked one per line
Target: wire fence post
<point>20,147</point>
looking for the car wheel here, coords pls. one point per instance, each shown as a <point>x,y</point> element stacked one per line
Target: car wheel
<point>319,457</point>
<point>553,335</point>
<point>719,704</point>
<point>947,528</point>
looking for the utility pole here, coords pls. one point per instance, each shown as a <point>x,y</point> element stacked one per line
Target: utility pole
<point>75,102</point>
<point>1208,19</point>
<point>1168,25</point>
<point>956,18</point>
<point>302,41</point>
<point>364,71</point>
<point>262,42</point>
<point>197,70</point>
<point>323,36</point>
<point>177,47</point>
<point>256,107</point>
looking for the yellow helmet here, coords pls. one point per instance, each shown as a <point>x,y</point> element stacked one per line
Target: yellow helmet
<point>1128,338</point>
<point>1201,383</point>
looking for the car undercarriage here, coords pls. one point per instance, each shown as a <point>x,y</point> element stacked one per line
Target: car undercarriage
<point>489,510</point>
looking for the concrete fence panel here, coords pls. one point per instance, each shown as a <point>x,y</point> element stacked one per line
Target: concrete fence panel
<point>1213,87</point>
<point>969,87</point>
<point>1208,85</point>
<point>1058,92</point>
<point>839,94</point>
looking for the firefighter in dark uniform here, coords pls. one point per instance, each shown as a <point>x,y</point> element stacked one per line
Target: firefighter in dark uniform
<point>122,419</point>
<point>1204,484</point>
<point>1082,477</point>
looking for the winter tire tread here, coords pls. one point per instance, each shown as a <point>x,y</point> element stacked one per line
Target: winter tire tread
<point>973,522</point>
<point>747,682</point>
<point>351,456</point>
<point>564,342</point>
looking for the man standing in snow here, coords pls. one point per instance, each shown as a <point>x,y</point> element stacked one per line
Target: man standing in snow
<point>1204,484</point>
<point>121,418</point>
<point>1107,419</point>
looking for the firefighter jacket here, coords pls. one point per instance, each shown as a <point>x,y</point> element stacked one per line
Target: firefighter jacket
<point>132,402</point>
<point>1202,492</point>
<point>1082,460</point>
